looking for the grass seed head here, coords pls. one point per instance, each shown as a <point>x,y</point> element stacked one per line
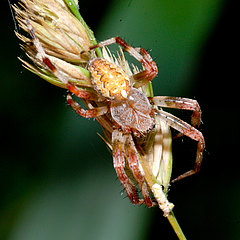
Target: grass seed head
<point>62,36</point>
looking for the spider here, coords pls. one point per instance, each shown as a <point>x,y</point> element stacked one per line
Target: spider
<point>131,111</point>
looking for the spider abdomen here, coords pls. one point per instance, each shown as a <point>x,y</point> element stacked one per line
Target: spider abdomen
<point>133,112</point>
<point>109,79</point>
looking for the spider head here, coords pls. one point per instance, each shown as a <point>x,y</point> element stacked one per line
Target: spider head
<point>109,79</point>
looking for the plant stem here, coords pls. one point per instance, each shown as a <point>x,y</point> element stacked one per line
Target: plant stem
<point>173,221</point>
<point>151,180</point>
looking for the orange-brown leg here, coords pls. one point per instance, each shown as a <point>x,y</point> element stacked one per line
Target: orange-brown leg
<point>89,113</point>
<point>180,103</point>
<point>119,165</point>
<point>150,72</point>
<point>136,168</point>
<point>189,131</point>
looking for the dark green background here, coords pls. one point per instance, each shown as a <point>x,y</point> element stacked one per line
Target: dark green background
<point>56,175</point>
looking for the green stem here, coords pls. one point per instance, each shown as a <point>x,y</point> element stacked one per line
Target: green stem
<point>173,221</point>
<point>151,180</point>
<point>149,90</point>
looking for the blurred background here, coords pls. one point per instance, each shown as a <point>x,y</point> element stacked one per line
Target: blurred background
<point>56,175</point>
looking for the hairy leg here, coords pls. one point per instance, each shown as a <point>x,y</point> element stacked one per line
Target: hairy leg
<point>119,165</point>
<point>189,131</point>
<point>136,168</point>
<point>143,77</point>
<point>90,113</point>
<point>180,103</point>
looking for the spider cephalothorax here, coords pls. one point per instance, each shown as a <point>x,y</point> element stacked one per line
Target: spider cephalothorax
<point>116,93</point>
<point>133,112</point>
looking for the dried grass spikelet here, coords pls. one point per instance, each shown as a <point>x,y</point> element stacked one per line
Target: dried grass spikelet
<point>59,31</point>
<point>159,154</point>
<point>63,37</point>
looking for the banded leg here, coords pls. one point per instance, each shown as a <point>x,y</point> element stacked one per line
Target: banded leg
<point>143,77</point>
<point>139,54</point>
<point>90,113</point>
<point>136,168</point>
<point>119,165</point>
<point>72,88</point>
<point>180,103</point>
<point>189,131</point>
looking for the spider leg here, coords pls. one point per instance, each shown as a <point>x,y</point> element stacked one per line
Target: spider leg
<point>145,76</point>
<point>72,88</point>
<point>90,113</point>
<point>119,165</point>
<point>189,131</point>
<point>136,168</point>
<point>180,103</point>
<point>140,54</point>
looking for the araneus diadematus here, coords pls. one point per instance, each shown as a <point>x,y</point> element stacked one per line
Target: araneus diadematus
<point>132,113</point>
